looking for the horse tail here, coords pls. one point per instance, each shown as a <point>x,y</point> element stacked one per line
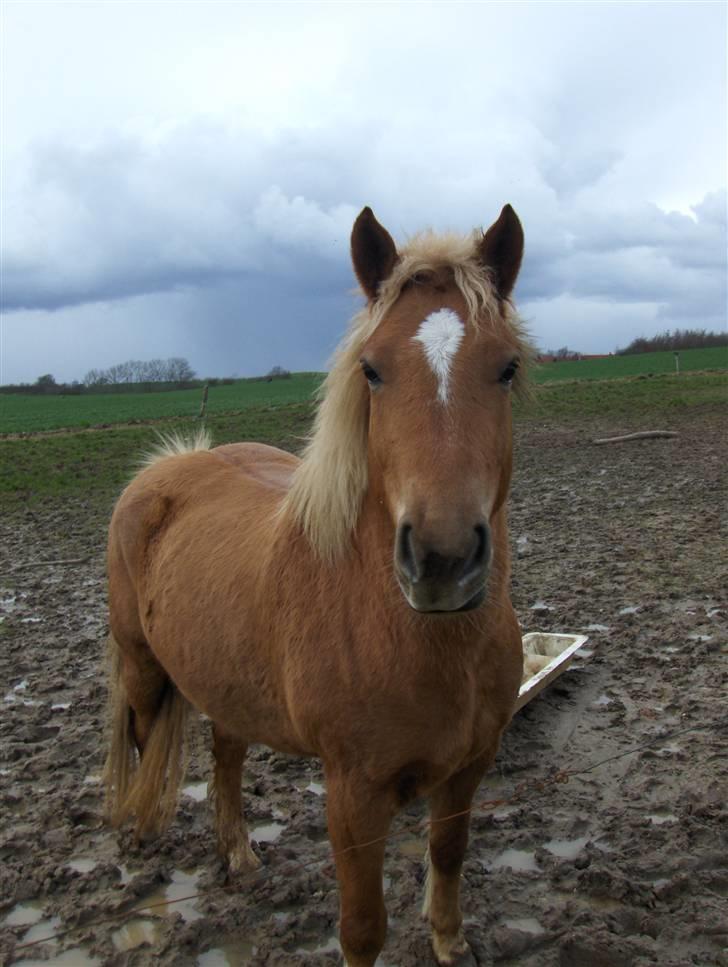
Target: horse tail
<point>121,755</point>
<point>144,786</point>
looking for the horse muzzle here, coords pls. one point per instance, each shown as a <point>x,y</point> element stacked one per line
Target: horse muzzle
<point>443,575</point>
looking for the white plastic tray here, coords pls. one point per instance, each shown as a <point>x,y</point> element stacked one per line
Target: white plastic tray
<point>560,648</point>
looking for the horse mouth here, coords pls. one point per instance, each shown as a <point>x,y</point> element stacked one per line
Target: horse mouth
<point>470,605</point>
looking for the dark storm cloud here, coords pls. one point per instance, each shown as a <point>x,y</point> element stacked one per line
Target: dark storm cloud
<point>202,199</point>
<point>123,219</point>
<point>243,243</point>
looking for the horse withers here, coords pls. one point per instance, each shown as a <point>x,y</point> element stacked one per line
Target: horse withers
<point>351,605</point>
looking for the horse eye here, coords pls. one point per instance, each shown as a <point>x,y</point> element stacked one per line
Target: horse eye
<point>508,374</point>
<point>371,374</point>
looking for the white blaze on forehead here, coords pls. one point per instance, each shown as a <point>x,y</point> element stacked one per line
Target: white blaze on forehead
<point>441,334</point>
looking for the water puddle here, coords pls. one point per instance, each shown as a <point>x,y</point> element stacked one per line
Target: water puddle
<point>93,779</point>
<point>24,914</point>
<point>630,609</point>
<point>414,848</point>
<point>502,811</point>
<point>317,788</point>
<point>16,695</point>
<point>196,791</point>
<point>567,849</point>
<point>526,924</point>
<point>69,958</point>
<point>669,749</point>
<point>603,700</point>
<point>603,904</point>
<point>661,817</point>
<point>43,930</point>
<point>597,627</point>
<point>518,860</point>
<point>541,606</point>
<point>82,864</point>
<point>330,945</point>
<point>228,955</point>
<point>60,706</point>
<point>182,885</point>
<point>137,932</point>
<point>267,832</point>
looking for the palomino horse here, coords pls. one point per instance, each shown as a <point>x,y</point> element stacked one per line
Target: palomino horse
<point>353,604</point>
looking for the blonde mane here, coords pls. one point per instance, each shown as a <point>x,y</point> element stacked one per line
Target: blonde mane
<point>173,445</point>
<point>329,485</point>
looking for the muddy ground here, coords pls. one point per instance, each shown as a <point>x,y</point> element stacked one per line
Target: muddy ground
<point>623,865</point>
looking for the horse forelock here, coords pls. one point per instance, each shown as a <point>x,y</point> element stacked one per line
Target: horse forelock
<point>330,483</point>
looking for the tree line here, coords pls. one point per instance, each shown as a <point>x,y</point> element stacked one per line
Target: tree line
<point>135,375</point>
<point>176,369</point>
<point>675,340</point>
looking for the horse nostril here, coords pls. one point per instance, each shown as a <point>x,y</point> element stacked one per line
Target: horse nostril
<point>406,554</point>
<point>481,550</point>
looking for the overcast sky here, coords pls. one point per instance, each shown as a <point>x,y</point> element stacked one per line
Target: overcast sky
<point>180,179</point>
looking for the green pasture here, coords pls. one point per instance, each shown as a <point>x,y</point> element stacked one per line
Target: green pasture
<point>26,413</point>
<point>21,413</point>
<point>617,367</point>
<point>88,467</point>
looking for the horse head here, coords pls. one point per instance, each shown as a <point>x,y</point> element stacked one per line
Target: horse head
<point>439,368</point>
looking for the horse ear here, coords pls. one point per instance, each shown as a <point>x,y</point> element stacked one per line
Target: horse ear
<point>502,250</point>
<point>373,252</point>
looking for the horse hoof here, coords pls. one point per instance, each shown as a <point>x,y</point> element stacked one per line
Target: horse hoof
<point>452,950</point>
<point>243,860</point>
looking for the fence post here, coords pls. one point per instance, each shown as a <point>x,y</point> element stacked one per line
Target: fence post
<point>203,405</point>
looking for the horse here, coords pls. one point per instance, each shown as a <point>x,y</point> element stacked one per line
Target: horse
<point>351,605</point>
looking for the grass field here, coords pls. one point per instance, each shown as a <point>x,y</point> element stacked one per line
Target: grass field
<point>31,414</point>
<point>90,466</point>
<point>615,367</point>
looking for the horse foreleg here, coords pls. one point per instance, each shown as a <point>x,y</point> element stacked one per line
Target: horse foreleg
<point>232,832</point>
<point>448,842</point>
<point>358,819</point>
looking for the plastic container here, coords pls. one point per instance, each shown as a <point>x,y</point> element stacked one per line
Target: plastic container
<point>551,655</point>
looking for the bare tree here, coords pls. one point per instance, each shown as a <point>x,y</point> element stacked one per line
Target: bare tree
<point>179,370</point>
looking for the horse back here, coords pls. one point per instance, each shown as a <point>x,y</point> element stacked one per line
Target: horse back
<point>241,482</point>
<point>268,465</point>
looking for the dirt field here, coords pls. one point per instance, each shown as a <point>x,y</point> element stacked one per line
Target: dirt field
<point>623,865</point>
